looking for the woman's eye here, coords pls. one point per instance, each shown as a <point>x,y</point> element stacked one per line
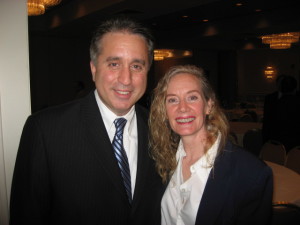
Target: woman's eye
<point>172,100</point>
<point>192,98</point>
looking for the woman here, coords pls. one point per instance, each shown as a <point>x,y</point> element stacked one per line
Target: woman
<point>209,180</point>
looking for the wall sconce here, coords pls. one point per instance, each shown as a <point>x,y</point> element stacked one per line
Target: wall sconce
<point>269,73</point>
<point>161,54</point>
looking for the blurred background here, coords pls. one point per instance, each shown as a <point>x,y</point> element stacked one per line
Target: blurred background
<point>223,37</point>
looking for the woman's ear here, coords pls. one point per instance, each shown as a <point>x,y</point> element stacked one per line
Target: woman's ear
<point>209,106</point>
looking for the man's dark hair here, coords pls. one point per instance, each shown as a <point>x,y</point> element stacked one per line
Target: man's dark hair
<point>288,84</point>
<point>120,24</point>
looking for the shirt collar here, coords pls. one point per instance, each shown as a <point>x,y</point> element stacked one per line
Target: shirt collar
<point>109,117</point>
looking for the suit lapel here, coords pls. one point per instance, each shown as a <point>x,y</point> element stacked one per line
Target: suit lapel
<point>216,190</point>
<point>143,156</point>
<point>99,141</point>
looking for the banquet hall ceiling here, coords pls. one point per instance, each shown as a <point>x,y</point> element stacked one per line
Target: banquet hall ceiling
<point>178,23</point>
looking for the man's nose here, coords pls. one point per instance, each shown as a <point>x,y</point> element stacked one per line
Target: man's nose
<point>125,76</point>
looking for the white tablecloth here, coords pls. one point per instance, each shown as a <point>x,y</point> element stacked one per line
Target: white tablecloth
<point>286,184</point>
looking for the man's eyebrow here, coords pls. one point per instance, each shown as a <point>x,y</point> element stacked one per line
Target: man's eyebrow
<point>112,58</point>
<point>116,58</point>
<point>141,61</point>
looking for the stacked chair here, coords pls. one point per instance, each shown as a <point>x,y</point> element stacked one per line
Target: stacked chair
<point>273,151</point>
<point>252,141</point>
<point>293,159</point>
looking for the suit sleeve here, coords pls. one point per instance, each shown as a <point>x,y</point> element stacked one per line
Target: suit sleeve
<point>30,193</point>
<point>257,205</point>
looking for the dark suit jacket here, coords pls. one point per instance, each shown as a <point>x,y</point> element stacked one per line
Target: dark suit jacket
<point>270,116</point>
<point>281,119</point>
<point>66,172</point>
<point>239,190</point>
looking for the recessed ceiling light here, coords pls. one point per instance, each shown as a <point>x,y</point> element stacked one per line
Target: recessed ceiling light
<point>185,16</point>
<point>205,20</point>
<point>239,4</point>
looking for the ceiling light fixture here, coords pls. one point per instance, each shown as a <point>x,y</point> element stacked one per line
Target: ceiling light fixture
<point>281,41</point>
<point>35,7</point>
<point>38,7</point>
<point>49,3</point>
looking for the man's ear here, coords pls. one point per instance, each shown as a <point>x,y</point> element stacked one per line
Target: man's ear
<point>93,70</point>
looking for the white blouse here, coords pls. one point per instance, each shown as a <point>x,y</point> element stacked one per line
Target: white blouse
<point>181,200</point>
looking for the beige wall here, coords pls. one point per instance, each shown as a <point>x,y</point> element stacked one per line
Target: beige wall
<point>14,91</point>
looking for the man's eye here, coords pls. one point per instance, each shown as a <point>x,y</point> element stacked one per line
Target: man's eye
<point>113,64</point>
<point>136,67</point>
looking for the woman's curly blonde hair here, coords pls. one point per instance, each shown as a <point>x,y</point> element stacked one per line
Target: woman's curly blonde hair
<point>164,142</point>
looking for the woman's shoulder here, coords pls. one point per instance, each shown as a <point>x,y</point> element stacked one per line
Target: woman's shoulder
<point>243,161</point>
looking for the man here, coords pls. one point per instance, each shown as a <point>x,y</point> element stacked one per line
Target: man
<point>67,169</point>
<point>270,107</point>
<point>281,113</point>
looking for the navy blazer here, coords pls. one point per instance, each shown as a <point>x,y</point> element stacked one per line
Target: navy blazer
<point>239,190</point>
<point>66,172</point>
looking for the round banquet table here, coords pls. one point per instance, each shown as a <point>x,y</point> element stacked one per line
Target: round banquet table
<point>286,184</point>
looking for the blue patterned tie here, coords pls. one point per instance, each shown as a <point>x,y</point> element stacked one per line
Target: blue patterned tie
<point>121,155</point>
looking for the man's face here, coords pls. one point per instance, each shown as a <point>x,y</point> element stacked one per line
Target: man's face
<point>120,75</point>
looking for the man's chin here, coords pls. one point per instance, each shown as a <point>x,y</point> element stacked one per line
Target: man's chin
<point>122,109</point>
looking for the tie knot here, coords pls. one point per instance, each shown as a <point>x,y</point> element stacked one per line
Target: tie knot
<point>120,124</point>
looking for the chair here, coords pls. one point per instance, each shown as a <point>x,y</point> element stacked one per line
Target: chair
<point>252,141</point>
<point>273,151</point>
<point>293,159</point>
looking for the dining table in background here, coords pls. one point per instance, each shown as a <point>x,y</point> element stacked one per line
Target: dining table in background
<point>236,113</point>
<point>286,185</point>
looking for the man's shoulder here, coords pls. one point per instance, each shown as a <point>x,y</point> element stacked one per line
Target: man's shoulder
<point>62,111</point>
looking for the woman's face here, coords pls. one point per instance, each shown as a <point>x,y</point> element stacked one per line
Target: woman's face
<point>185,106</point>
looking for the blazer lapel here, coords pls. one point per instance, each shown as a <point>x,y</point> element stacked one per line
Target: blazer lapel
<point>97,136</point>
<point>216,190</point>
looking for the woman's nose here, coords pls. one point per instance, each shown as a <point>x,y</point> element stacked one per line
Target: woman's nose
<point>183,107</point>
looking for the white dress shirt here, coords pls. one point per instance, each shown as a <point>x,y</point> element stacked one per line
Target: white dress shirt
<point>130,139</point>
<point>181,199</point>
